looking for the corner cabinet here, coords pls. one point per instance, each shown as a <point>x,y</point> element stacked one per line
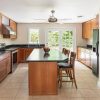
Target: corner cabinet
<point>23,53</point>
<point>13,26</point>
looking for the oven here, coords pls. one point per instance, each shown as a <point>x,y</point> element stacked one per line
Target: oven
<point>14,59</point>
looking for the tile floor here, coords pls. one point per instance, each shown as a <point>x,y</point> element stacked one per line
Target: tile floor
<point>15,86</point>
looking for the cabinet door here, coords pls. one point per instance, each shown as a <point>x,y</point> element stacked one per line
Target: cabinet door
<point>88,58</point>
<point>0,23</point>
<point>79,53</point>
<point>97,21</point>
<point>3,69</point>
<point>8,60</point>
<point>83,56</point>
<point>28,52</point>
<point>86,30</point>
<point>93,24</point>
<point>13,26</point>
<point>21,55</point>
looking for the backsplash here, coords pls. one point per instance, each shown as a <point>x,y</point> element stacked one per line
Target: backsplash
<point>90,41</point>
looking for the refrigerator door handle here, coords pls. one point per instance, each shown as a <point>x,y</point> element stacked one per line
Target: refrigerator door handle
<point>97,51</point>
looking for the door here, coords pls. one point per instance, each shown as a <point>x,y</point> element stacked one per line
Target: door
<point>67,39</point>
<point>60,38</point>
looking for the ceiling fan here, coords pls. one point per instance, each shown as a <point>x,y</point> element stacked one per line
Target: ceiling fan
<point>52,18</point>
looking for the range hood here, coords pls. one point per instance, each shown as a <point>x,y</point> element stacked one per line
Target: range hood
<point>7,31</point>
<point>10,29</point>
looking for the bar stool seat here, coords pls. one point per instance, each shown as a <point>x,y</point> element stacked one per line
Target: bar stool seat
<point>63,65</point>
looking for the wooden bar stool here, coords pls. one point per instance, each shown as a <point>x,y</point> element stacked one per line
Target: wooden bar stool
<point>69,69</point>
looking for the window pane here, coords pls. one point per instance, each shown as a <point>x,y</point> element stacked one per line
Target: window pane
<point>34,36</point>
<point>53,39</point>
<point>67,39</point>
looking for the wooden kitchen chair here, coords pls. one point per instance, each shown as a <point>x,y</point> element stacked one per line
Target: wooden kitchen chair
<point>69,69</point>
<point>66,51</point>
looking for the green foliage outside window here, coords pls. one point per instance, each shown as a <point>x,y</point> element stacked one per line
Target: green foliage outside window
<point>34,36</point>
<point>53,38</point>
<point>65,39</point>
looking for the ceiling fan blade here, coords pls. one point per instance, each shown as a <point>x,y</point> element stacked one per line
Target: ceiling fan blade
<point>39,19</point>
<point>65,19</point>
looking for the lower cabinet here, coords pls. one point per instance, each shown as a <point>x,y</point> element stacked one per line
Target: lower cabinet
<point>84,55</point>
<point>5,65</point>
<point>23,53</point>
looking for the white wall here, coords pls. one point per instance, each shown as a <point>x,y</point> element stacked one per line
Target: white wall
<point>7,41</point>
<point>22,32</point>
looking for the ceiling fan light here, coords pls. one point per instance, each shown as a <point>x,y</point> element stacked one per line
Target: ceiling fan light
<point>52,18</point>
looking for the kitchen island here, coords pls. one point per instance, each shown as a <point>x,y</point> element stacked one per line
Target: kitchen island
<point>42,71</point>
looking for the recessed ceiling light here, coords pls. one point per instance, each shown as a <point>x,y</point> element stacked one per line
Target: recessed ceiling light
<point>80,16</point>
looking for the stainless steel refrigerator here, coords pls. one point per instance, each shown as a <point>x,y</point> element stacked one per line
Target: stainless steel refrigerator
<point>95,53</point>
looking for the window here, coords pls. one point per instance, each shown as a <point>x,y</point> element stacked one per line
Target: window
<point>53,39</point>
<point>67,39</point>
<point>59,39</point>
<point>33,35</point>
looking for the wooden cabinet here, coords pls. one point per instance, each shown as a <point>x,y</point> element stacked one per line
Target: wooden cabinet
<point>5,31</point>
<point>88,26</point>
<point>84,55</point>
<point>28,52</point>
<point>86,30</point>
<point>6,25</point>
<point>97,21</point>
<point>5,65</point>
<point>42,78</point>
<point>23,53</point>
<point>8,62</point>
<point>93,23</point>
<point>13,26</point>
<point>3,69</point>
<point>0,23</point>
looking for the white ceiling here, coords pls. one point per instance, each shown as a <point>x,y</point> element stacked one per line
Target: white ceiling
<point>29,11</point>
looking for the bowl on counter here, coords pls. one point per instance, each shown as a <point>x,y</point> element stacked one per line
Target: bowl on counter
<point>46,49</point>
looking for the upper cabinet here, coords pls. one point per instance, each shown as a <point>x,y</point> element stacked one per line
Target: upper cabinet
<point>86,30</point>
<point>0,23</point>
<point>8,27</point>
<point>88,26</point>
<point>13,26</point>
<point>5,31</point>
<point>5,20</point>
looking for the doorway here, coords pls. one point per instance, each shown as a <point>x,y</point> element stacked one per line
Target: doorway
<point>60,38</point>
